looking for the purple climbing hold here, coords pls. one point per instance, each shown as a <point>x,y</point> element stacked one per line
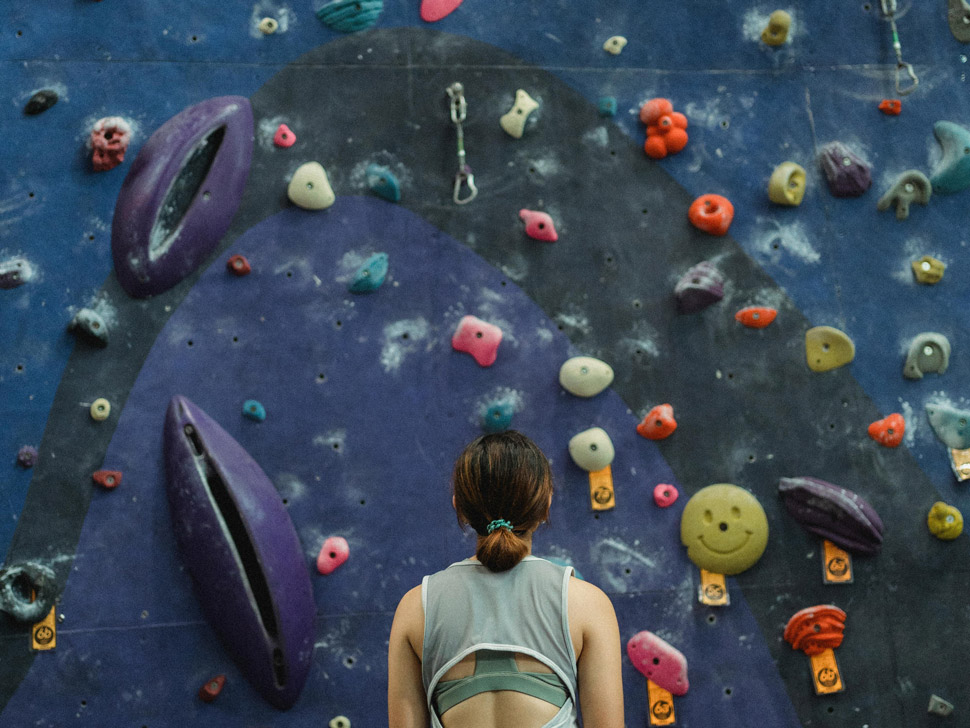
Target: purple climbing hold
<point>847,173</point>
<point>27,456</point>
<point>699,287</point>
<point>833,512</point>
<point>41,102</point>
<point>14,272</point>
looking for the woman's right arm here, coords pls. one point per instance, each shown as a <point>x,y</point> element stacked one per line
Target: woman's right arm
<point>406,703</point>
<point>600,661</point>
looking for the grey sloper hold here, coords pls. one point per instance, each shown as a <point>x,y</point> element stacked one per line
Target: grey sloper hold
<point>928,352</point>
<point>90,324</point>
<point>950,424</point>
<point>959,18</point>
<point>17,581</point>
<point>911,186</point>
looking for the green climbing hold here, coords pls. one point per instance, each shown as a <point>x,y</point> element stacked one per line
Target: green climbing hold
<point>370,276</point>
<point>383,183</point>
<point>349,16</point>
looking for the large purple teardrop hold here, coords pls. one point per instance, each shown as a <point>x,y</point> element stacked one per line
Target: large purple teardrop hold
<point>833,512</point>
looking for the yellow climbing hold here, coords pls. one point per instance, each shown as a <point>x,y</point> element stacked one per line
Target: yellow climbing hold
<point>787,184</point>
<point>100,409</point>
<point>827,348</point>
<point>928,270</point>
<point>776,32</point>
<point>944,521</point>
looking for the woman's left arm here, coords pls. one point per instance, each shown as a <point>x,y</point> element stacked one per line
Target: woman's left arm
<point>406,701</point>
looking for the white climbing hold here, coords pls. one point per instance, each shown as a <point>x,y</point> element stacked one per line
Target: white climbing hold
<point>585,376</point>
<point>513,121</point>
<point>592,449</point>
<point>615,45</point>
<point>309,188</point>
<point>268,26</point>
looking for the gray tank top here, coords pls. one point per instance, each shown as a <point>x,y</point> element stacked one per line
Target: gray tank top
<point>469,608</point>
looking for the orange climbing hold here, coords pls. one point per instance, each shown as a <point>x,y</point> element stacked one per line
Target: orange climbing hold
<point>816,629</point>
<point>888,431</point>
<point>658,423</point>
<point>712,214</point>
<point>107,478</point>
<point>891,107</point>
<point>756,317</point>
<point>666,128</point>
<point>210,691</point>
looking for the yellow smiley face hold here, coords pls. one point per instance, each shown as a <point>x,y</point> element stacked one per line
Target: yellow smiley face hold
<point>724,529</point>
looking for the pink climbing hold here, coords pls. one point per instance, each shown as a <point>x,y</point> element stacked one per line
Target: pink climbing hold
<point>478,338</point>
<point>333,553</point>
<point>432,10</point>
<point>110,137</point>
<point>658,661</point>
<point>665,494</point>
<point>539,226</point>
<point>284,137</point>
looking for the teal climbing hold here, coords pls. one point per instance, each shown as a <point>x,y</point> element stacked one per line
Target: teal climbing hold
<point>254,410</point>
<point>497,416</point>
<point>349,16</point>
<point>950,424</point>
<point>370,276</point>
<point>606,106</point>
<point>383,183</point>
<point>954,169</point>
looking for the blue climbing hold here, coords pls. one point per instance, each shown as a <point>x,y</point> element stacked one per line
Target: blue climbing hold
<point>349,16</point>
<point>254,410</point>
<point>383,183</point>
<point>370,275</point>
<point>950,425</point>
<point>607,105</point>
<point>497,416</point>
<point>954,169</point>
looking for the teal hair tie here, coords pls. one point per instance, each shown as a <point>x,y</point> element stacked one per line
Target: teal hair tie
<point>499,523</point>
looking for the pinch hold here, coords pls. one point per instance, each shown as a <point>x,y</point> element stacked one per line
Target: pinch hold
<point>334,552</point>
<point>659,661</point>
<point>478,338</point>
<point>539,226</point>
<point>658,423</point>
<point>756,317</point>
<point>847,174</point>
<point>513,121</point>
<point>712,214</point>
<point>701,286</point>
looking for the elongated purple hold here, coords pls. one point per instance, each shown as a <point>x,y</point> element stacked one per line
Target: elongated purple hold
<point>15,272</point>
<point>699,287</point>
<point>833,512</point>
<point>242,551</point>
<point>181,194</point>
<point>847,173</point>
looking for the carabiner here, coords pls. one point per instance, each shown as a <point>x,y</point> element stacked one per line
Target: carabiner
<point>908,67</point>
<point>464,178</point>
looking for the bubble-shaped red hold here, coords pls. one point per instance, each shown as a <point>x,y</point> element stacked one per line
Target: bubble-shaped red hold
<point>284,137</point>
<point>816,629</point>
<point>658,423</point>
<point>712,214</point>
<point>333,554</point>
<point>666,128</point>
<point>539,226</point>
<point>889,430</point>
<point>665,495</point>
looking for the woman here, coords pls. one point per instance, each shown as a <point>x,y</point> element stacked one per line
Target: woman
<point>504,639</point>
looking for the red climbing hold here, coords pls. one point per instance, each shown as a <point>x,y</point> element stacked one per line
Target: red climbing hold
<point>539,226</point>
<point>666,128</point>
<point>665,494</point>
<point>756,317</point>
<point>284,137</point>
<point>107,478</point>
<point>210,691</point>
<point>889,430</point>
<point>712,214</point>
<point>432,10</point>
<point>334,552</point>
<point>892,107</point>
<point>238,265</point>
<point>478,338</point>
<point>658,423</point>
<point>816,629</point>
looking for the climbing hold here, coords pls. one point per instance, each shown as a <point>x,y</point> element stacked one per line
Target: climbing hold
<point>816,629</point>
<point>254,410</point>
<point>606,105</point>
<point>370,276</point>
<point>658,423</point>
<point>958,16</point>
<point>944,521</point>
<point>701,286</point>
<point>107,478</point>
<point>431,11</point>
<point>309,187</point>
<point>889,430</point>
<point>342,721</point>
<point>349,16</point>
<point>615,45</point>
<point>658,661</point>
<point>497,415</point>
<point>268,26</point>
<point>787,184</point>
<point>284,137</point>
<point>846,172</point>
<point>478,338</point>
<point>333,553</point>
<point>724,529</point>
<point>238,265</point>
<point>756,317</point>
<point>109,142</point>
<point>40,102</point>
<point>911,186</point>
<point>14,272</point>
<point>712,214</point>
<point>775,33</point>
<point>953,173</point>
<point>949,424</point>
<point>513,121</point>
<point>928,270</point>
<point>382,182</point>
<point>27,456</point>
<point>665,494</point>
<point>27,591</point>
<point>928,352</point>
<point>666,128</point>
<point>827,348</point>
<point>833,512</point>
<point>939,706</point>
<point>592,449</point>
<point>539,226</point>
<point>211,689</point>
<point>585,376</point>
<point>891,107</point>
<point>100,409</point>
<point>90,324</point>
<point>181,194</point>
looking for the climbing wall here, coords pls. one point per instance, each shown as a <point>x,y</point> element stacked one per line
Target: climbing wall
<point>366,401</point>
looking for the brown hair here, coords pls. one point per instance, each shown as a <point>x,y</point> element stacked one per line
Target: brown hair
<point>502,476</point>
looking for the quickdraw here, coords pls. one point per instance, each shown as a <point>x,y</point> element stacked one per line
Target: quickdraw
<point>889,10</point>
<point>464,177</point>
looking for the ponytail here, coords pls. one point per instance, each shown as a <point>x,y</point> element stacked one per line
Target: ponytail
<point>501,550</point>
